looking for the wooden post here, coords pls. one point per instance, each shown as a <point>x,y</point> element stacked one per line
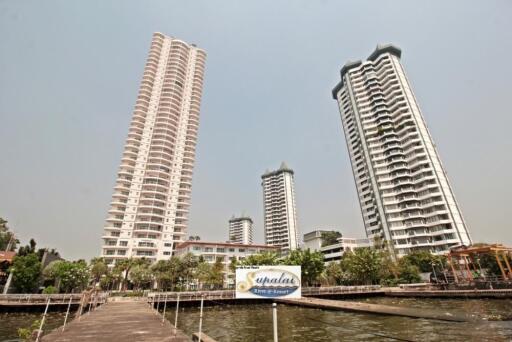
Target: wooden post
<point>470,276</point>
<point>505,257</point>
<point>450,261</point>
<point>500,265</point>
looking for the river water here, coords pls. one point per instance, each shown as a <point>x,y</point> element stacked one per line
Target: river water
<point>253,323</point>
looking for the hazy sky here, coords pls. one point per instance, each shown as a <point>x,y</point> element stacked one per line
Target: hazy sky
<point>70,71</point>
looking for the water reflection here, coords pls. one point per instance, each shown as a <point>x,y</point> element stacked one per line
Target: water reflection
<point>254,323</point>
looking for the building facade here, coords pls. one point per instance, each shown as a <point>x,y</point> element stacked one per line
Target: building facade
<point>241,230</point>
<point>403,189</point>
<point>148,214</point>
<point>280,219</point>
<point>225,252</point>
<point>333,252</point>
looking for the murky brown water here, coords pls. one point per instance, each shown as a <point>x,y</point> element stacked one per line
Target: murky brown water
<point>253,323</point>
<point>10,322</point>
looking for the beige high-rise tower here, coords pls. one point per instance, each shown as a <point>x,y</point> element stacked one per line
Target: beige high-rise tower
<point>149,210</point>
<point>403,189</point>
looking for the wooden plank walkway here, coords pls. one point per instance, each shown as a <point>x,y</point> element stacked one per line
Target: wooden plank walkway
<point>375,309</point>
<point>119,321</point>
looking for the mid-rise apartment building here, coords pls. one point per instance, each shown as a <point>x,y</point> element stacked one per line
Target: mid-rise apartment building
<point>223,251</point>
<point>148,214</point>
<point>280,219</point>
<point>334,251</point>
<point>241,229</point>
<point>403,189</point>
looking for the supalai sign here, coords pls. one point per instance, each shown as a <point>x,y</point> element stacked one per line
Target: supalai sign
<point>268,282</point>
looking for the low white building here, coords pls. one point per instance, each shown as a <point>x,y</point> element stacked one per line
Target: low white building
<point>333,252</point>
<point>225,251</point>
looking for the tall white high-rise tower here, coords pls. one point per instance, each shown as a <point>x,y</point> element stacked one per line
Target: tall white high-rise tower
<point>404,192</point>
<point>240,229</point>
<point>279,209</point>
<point>149,210</point>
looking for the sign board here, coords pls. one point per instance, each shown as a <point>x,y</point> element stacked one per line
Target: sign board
<point>268,282</point>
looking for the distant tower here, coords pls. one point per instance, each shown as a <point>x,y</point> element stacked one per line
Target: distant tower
<point>279,209</point>
<point>148,214</point>
<point>240,230</point>
<point>403,189</point>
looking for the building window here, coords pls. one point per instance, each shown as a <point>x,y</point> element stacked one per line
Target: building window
<point>232,250</point>
<point>241,250</point>
<point>167,253</point>
<point>221,250</point>
<point>197,248</point>
<point>208,249</point>
<point>167,244</point>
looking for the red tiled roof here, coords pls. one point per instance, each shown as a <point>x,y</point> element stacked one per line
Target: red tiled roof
<point>7,256</point>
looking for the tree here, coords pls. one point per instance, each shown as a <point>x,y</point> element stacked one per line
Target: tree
<point>424,260</point>
<point>167,272</point>
<point>26,271</point>
<point>312,264</point>
<point>216,278</point>
<point>188,264</point>
<point>7,240</point>
<point>408,273</point>
<point>28,249</point>
<point>98,269</point>
<point>140,275</point>
<point>265,258</point>
<point>333,274</point>
<point>124,267</point>
<point>363,265</point>
<point>67,276</point>
<point>202,273</point>
<point>330,238</point>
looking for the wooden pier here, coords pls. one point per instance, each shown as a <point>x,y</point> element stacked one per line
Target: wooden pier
<point>126,321</point>
<point>375,309</point>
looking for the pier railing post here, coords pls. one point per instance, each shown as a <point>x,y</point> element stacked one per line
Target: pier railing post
<point>42,320</point>
<point>274,318</point>
<point>165,306</point>
<point>201,318</point>
<point>67,313</point>
<point>176,316</point>
<point>158,304</point>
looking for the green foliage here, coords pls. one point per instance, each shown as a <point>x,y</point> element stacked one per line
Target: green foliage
<point>26,271</point>
<point>167,272</point>
<point>265,258</point>
<point>408,273</point>
<point>98,269</point>
<point>216,278</point>
<point>312,264</point>
<point>26,334</point>
<point>68,276</point>
<point>50,290</point>
<point>141,275</point>
<point>424,260</point>
<point>7,239</point>
<point>363,266</point>
<point>330,238</point>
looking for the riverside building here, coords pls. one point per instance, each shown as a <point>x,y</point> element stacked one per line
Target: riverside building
<point>148,214</point>
<point>404,193</point>
<point>280,221</point>
<point>225,252</point>
<point>241,230</point>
